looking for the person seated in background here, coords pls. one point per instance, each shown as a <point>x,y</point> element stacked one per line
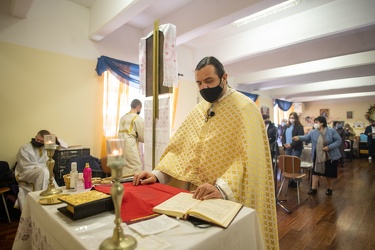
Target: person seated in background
<point>370,132</point>
<point>31,170</point>
<point>221,150</point>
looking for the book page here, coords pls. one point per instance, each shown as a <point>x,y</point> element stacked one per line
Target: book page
<point>153,226</point>
<point>178,205</point>
<point>218,211</point>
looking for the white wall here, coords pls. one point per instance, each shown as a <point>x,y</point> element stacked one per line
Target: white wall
<point>48,78</point>
<point>63,27</point>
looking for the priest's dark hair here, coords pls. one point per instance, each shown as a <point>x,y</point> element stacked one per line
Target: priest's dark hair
<point>210,60</point>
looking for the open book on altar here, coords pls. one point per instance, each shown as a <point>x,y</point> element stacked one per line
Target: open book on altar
<point>216,211</point>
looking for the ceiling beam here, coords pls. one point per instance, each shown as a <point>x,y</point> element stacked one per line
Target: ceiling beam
<point>20,8</point>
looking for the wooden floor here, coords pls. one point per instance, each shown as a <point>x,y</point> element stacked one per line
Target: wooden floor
<point>345,220</point>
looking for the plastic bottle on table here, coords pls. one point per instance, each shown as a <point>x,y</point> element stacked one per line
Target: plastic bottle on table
<point>73,176</point>
<point>80,185</point>
<point>87,176</point>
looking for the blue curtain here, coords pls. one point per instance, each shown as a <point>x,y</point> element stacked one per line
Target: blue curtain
<point>283,105</point>
<point>253,97</point>
<point>121,70</point>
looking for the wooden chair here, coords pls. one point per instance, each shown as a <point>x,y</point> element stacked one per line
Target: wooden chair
<point>290,167</point>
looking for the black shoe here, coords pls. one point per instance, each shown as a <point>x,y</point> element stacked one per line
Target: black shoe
<point>329,192</point>
<point>313,191</point>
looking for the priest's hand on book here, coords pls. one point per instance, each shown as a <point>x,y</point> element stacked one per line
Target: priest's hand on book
<point>144,178</point>
<point>206,192</point>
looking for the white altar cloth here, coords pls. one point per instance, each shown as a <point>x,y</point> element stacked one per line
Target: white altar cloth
<point>44,227</point>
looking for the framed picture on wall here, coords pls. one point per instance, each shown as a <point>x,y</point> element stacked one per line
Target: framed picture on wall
<point>359,125</point>
<point>324,112</point>
<point>349,114</point>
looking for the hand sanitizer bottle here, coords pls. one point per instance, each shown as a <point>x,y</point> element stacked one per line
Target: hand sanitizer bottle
<point>73,176</point>
<point>87,176</point>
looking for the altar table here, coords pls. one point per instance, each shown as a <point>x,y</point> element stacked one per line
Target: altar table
<point>44,227</point>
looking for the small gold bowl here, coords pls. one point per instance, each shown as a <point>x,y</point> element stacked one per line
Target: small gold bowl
<point>67,180</point>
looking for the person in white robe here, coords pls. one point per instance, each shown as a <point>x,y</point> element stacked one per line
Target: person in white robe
<point>31,170</point>
<point>131,129</point>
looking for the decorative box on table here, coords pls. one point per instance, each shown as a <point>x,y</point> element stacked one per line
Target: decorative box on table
<point>86,204</point>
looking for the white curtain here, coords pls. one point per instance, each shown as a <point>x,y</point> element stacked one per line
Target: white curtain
<point>117,97</point>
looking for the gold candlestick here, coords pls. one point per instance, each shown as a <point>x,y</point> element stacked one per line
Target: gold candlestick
<point>50,146</point>
<point>116,161</point>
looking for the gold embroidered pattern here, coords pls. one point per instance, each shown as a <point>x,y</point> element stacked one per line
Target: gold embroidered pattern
<point>232,145</point>
<point>82,198</point>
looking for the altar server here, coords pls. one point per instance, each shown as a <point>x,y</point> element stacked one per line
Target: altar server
<point>131,129</point>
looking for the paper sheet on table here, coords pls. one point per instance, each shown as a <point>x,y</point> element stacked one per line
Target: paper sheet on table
<point>153,226</point>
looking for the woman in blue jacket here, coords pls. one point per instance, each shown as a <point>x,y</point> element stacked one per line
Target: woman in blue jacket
<point>325,152</point>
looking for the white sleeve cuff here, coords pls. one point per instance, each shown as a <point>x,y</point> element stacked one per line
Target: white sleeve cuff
<point>225,188</point>
<point>162,177</point>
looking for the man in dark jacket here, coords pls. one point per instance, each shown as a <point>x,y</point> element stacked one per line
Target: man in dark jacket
<point>370,132</point>
<point>272,136</point>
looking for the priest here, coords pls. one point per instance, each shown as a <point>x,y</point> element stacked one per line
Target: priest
<point>221,150</point>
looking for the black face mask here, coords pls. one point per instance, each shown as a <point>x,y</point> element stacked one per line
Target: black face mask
<point>138,112</point>
<point>267,122</point>
<point>36,144</point>
<point>211,94</point>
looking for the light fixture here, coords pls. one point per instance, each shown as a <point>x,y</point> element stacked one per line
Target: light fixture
<point>269,11</point>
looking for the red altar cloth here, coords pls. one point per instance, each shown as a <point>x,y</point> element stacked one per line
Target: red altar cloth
<point>138,201</point>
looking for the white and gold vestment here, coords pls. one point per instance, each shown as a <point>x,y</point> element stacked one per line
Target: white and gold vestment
<point>231,146</point>
<point>132,130</point>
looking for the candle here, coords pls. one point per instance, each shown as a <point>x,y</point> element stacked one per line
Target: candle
<point>49,142</point>
<point>116,158</point>
<point>115,149</point>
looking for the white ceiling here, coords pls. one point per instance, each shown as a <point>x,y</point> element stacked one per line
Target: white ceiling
<point>318,50</point>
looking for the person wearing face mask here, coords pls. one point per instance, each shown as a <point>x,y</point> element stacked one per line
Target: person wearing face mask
<point>271,129</point>
<point>325,153</point>
<point>280,130</point>
<point>31,170</point>
<point>294,128</point>
<point>370,132</point>
<point>221,150</point>
<point>131,129</point>
<point>272,137</point>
